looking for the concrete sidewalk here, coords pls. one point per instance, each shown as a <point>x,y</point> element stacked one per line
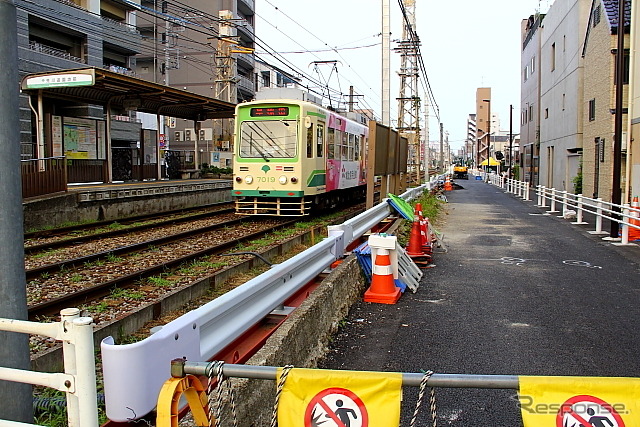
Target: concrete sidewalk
<point>517,293</point>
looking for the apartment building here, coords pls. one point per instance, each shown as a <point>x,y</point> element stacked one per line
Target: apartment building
<point>68,34</point>
<point>205,47</point>
<point>600,57</point>
<point>529,99</point>
<point>576,99</point>
<point>632,184</point>
<point>561,92</point>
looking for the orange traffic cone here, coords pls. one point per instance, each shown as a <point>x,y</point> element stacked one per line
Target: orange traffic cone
<point>414,248</point>
<point>634,233</point>
<point>383,289</point>
<point>425,237</point>
<point>447,184</point>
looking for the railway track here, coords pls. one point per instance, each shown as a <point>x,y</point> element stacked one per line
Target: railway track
<point>110,284</point>
<point>43,240</point>
<point>84,280</point>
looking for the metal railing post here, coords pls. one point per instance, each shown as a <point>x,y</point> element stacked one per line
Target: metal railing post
<point>598,217</point>
<point>83,368</point>
<point>579,210</point>
<point>625,224</point>
<point>553,201</point>
<point>541,196</point>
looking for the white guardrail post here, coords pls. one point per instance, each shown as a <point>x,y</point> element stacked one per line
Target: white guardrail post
<point>598,229</point>
<point>79,378</point>
<point>564,201</point>
<point>134,373</point>
<point>541,198</point>
<point>579,211</point>
<point>624,233</point>
<point>553,201</point>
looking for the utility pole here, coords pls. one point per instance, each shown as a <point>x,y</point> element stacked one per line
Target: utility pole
<point>510,141</point>
<point>441,159</point>
<point>616,192</point>
<point>427,157</point>
<point>386,64</point>
<point>16,397</point>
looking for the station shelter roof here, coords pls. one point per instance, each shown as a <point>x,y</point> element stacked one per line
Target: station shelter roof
<point>100,87</point>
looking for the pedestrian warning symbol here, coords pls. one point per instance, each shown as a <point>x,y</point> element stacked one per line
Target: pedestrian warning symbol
<point>579,401</point>
<point>588,411</point>
<point>336,407</point>
<point>327,398</point>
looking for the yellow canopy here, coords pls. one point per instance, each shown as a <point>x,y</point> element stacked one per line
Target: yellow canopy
<point>492,162</point>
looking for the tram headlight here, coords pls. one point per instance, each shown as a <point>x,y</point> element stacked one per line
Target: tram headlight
<point>282,180</point>
<point>248,179</point>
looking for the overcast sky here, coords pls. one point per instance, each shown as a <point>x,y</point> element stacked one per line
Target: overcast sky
<point>466,44</point>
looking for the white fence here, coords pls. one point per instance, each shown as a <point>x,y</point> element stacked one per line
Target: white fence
<point>574,206</point>
<point>79,378</point>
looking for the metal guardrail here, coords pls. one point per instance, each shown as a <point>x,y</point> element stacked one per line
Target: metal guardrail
<point>573,206</point>
<point>79,378</point>
<point>134,373</point>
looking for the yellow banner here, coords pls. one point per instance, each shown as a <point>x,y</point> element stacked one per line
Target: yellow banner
<point>315,397</point>
<point>579,401</point>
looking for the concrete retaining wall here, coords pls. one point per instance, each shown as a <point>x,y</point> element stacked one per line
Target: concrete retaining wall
<point>113,204</point>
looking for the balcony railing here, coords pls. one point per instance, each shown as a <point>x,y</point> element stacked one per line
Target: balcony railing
<point>123,25</point>
<point>70,3</point>
<point>48,50</point>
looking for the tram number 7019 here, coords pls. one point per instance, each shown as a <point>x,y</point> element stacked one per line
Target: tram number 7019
<point>266,179</point>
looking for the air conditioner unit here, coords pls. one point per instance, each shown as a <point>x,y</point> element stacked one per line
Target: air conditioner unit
<point>178,135</point>
<point>205,134</point>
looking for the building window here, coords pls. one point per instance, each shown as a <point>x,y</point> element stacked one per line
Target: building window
<point>266,79</point>
<point>596,16</point>
<point>526,73</point>
<point>533,65</point>
<point>546,113</point>
<point>530,113</point>
<point>564,96</point>
<point>553,56</point>
<point>592,110</point>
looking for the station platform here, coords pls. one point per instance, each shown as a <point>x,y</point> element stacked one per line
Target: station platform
<point>100,201</point>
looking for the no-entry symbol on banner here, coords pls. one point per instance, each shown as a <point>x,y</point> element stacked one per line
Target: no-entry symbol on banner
<point>588,411</point>
<point>336,407</point>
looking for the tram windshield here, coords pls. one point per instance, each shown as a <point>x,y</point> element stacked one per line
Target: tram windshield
<point>268,139</point>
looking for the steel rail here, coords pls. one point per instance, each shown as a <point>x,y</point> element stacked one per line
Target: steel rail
<point>52,306</point>
<point>113,233</point>
<point>128,220</point>
<point>33,273</point>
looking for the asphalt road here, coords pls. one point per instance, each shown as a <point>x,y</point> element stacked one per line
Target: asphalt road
<point>517,293</point>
